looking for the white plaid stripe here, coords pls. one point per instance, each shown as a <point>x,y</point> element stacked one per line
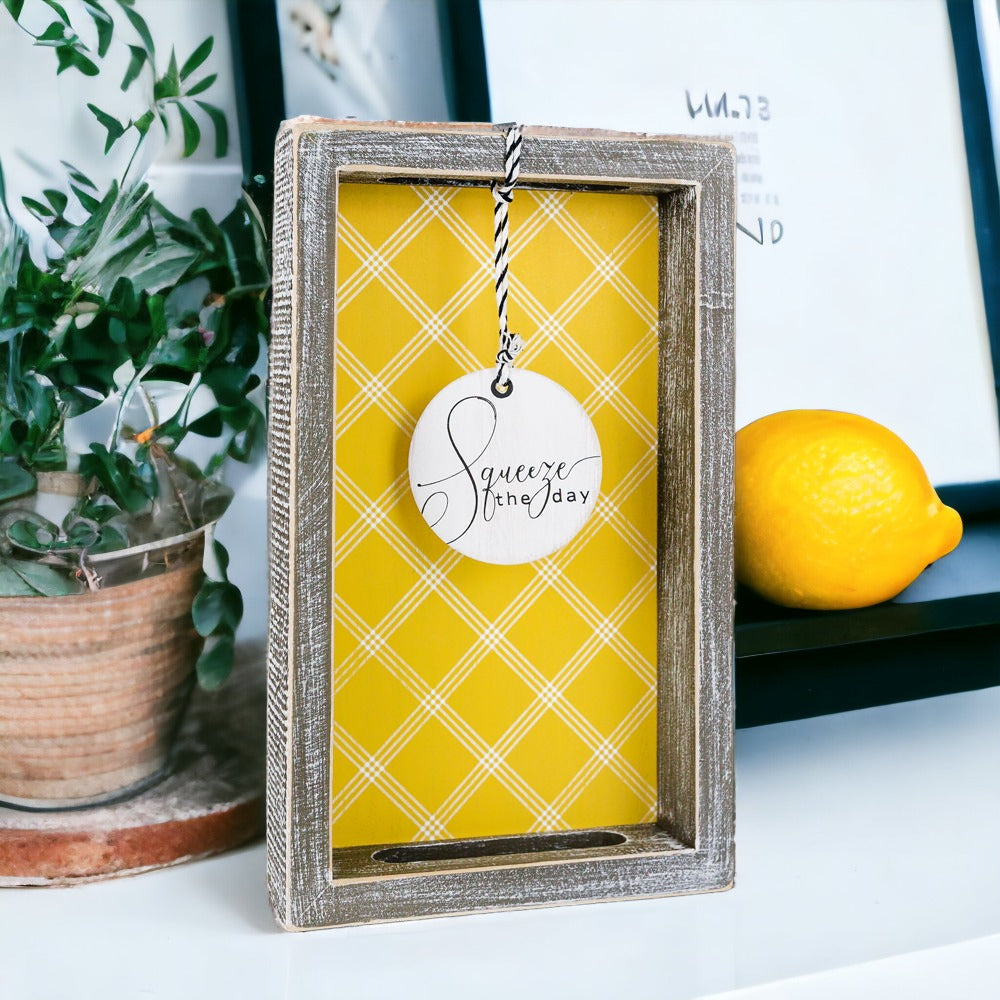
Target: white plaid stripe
<point>369,517</point>
<point>374,261</point>
<point>376,391</point>
<point>348,793</point>
<point>375,515</point>
<point>491,636</point>
<point>373,772</point>
<point>605,754</point>
<point>610,265</point>
<point>575,720</point>
<point>426,320</point>
<point>552,327</point>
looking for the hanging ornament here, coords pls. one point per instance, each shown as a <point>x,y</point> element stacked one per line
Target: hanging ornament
<point>505,470</point>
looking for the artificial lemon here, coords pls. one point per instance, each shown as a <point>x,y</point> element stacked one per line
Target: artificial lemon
<point>833,511</point>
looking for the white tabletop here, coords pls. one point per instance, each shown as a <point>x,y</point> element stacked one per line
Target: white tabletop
<point>868,864</point>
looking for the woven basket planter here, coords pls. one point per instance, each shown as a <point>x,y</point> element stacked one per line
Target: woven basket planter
<point>93,686</point>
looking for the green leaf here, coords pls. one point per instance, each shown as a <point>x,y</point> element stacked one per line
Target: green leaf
<point>15,481</point>
<point>35,533</point>
<point>140,27</point>
<point>163,267</point>
<point>119,262</point>
<point>244,445</point>
<point>218,117</point>
<point>55,32</point>
<point>39,210</point>
<point>93,226</point>
<point>229,383</point>
<point>110,539</point>
<point>216,662</point>
<point>116,235</point>
<point>57,200</point>
<point>124,298</point>
<point>12,585</point>
<point>221,557</point>
<point>86,66</point>
<point>184,353</point>
<point>82,534</point>
<point>192,134</point>
<point>117,331</point>
<point>44,580</point>
<point>197,57</point>
<point>14,6</point>
<point>75,401</point>
<point>103,23</point>
<point>114,127</point>
<point>207,425</point>
<point>70,55</point>
<point>135,64</point>
<point>217,605</point>
<point>157,315</point>
<point>87,200</point>
<point>143,122</point>
<point>79,177</point>
<point>59,9</point>
<point>96,508</point>
<point>119,477</point>
<point>172,76</point>
<point>202,85</point>
<point>164,91</point>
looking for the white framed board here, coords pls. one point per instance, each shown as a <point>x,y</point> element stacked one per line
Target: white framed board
<point>857,281</point>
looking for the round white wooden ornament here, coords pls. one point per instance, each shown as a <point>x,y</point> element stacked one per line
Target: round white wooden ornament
<point>505,480</point>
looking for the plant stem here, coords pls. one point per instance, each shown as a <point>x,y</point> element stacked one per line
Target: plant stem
<point>13,371</point>
<point>149,406</point>
<point>181,416</point>
<point>123,405</point>
<point>131,159</point>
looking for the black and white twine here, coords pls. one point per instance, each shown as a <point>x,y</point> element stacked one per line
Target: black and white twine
<point>503,194</point>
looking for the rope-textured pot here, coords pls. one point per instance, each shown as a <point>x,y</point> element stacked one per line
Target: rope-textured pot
<point>93,686</point>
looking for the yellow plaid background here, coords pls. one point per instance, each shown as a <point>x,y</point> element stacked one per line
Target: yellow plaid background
<point>474,700</point>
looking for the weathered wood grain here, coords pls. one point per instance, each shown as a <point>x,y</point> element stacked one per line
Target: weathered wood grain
<point>691,847</point>
<point>679,605</point>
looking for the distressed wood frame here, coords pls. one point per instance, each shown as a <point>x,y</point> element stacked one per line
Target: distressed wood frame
<point>690,847</point>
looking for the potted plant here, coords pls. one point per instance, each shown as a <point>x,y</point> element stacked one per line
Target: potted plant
<point>146,327</point>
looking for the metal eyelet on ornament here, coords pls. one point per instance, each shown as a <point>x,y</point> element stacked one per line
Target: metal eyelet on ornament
<point>501,393</point>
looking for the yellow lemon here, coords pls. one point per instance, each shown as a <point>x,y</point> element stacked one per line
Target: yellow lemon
<point>833,511</point>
